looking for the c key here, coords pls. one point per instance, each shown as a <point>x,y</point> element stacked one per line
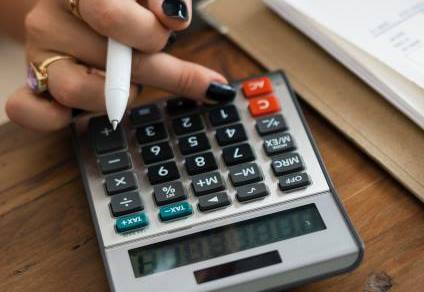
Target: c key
<point>263,105</point>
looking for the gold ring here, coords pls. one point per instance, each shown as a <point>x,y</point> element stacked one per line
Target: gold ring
<point>37,77</point>
<point>73,6</point>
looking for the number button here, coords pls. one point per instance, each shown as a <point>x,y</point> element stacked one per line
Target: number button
<point>260,106</point>
<point>286,163</point>
<point>145,114</point>
<point>151,133</point>
<point>120,182</point>
<point>230,135</point>
<point>200,163</point>
<point>114,162</point>
<point>169,193</point>
<point>271,124</point>
<point>193,143</point>
<point>181,105</point>
<point>105,139</point>
<point>187,124</point>
<point>258,86</point>
<point>237,154</point>
<point>223,115</point>
<point>164,172</point>
<point>156,152</point>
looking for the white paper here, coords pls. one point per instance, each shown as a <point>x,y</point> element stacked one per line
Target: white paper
<point>392,31</point>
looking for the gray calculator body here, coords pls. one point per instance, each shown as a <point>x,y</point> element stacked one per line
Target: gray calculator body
<point>334,248</point>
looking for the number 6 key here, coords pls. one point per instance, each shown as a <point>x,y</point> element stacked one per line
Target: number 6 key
<point>163,172</point>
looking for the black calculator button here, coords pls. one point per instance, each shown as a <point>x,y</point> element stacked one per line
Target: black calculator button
<point>151,133</point>
<point>114,162</point>
<point>163,172</point>
<point>207,183</point>
<point>286,163</point>
<point>156,152</point>
<point>168,193</point>
<point>200,163</point>
<point>187,124</point>
<point>293,181</point>
<point>223,115</point>
<point>125,203</point>
<point>193,143</point>
<point>246,173</point>
<point>177,106</point>
<point>230,135</point>
<point>270,124</point>
<point>105,139</point>
<point>213,201</point>
<point>145,114</point>
<point>237,154</point>
<point>120,182</point>
<point>278,143</point>
<point>251,192</point>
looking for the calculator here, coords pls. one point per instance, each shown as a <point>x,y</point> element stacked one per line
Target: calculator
<point>224,197</point>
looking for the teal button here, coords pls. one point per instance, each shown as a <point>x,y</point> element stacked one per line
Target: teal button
<point>175,211</point>
<point>131,222</point>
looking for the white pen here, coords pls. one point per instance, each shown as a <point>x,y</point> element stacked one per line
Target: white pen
<point>118,80</point>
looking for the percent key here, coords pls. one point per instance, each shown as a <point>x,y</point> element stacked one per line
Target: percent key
<point>168,193</point>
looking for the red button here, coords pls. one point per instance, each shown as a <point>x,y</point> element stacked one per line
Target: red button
<point>257,87</point>
<point>263,105</point>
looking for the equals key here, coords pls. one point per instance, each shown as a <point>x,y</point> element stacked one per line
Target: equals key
<point>114,162</point>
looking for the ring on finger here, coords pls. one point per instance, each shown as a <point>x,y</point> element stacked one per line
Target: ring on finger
<point>73,6</point>
<point>37,76</point>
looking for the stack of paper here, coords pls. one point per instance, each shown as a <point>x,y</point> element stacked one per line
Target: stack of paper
<point>382,41</point>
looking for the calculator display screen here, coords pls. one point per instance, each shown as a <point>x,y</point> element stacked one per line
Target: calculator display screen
<point>225,240</point>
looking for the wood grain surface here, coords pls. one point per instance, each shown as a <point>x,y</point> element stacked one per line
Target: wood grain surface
<point>48,243</point>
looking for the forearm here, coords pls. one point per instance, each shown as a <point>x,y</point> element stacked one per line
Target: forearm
<point>12,15</point>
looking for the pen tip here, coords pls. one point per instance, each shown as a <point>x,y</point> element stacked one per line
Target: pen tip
<point>114,124</point>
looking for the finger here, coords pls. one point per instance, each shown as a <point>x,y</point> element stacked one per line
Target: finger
<point>173,14</point>
<point>77,86</point>
<point>127,22</point>
<point>181,78</point>
<point>90,48</point>
<point>36,112</point>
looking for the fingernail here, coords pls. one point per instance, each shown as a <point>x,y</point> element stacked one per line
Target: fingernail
<point>176,9</point>
<point>220,92</point>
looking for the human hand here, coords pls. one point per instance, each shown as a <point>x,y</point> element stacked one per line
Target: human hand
<point>51,30</point>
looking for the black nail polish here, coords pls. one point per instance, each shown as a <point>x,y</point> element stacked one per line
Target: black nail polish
<point>176,9</point>
<point>220,92</point>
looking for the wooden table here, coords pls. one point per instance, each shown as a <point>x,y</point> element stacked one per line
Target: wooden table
<point>47,240</point>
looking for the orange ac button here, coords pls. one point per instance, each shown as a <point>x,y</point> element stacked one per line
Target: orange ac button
<point>263,105</point>
<point>257,86</point>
